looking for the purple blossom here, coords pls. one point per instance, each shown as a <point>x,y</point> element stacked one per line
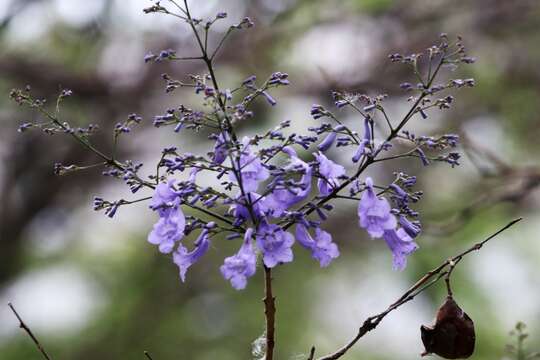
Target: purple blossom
<point>239,267</point>
<point>169,229</point>
<point>164,196</point>
<point>401,246</point>
<point>269,98</point>
<point>318,111</point>
<point>283,196</point>
<point>240,210</point>
<point>193,175</point>
<point>149,57</point>
<point>330,138</point>
<point>411,228</point>
<point>275,244</point>
<point>171,224</point>
<point>184,258</point>
<point>422,156</point>
<point>328,141</point>
<point>375,213</point>
<point>322,248</point>
<point>220,149</point>
<point>361,149</point>
<point>330,171</point>
<point>251,169</point>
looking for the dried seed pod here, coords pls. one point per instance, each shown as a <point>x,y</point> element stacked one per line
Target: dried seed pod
<point>452,336</point>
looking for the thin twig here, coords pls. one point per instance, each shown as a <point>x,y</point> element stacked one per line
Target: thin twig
<point>147,354</point>
<point>420,286</point>
<point>23,326</point>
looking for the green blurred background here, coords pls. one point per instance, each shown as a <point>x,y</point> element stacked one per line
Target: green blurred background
<point>93,288</point>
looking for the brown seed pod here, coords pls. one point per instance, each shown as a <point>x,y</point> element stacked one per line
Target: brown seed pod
<point>452,336</point>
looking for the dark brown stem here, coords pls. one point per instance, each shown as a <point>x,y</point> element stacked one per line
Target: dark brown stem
<point>311,353</point>
<point>270,313</point>
<point>147,354</point>
<point>452,265</point>
<point>23,326</point>
<point>420,286</point>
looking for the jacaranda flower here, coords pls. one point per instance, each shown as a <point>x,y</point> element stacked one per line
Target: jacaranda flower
<point>322,248</point>
<point>169,229</point>
<point>171,224</point>
<point>184,258</point>
<point>361,149</point>
<point>164,196</point>
<point>412,229</point>
<point>328,141</point>
<point>251,169</point>
<point>284,196</point>
<point>401,246</point>
<point>375,213</point>
<point>330,171</point>
<point>275,244</point>
<point>239,267</point>
<point>240,208</point>
<point>220,149</point>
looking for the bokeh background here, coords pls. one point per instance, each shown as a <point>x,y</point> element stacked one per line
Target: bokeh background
<point>93,288</point>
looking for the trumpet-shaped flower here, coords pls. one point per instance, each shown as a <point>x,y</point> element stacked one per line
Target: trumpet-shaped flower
<point>251,170</point>
<point>330,171</point>
<point>322,248</point>
<point>239,267</point>
<point>275,244</point>
<point>184,258</point>
<point>284,196</point>
<point>375,213</point>
<point>401,245</point>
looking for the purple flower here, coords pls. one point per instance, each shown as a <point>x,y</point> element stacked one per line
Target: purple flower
<point>239,267</point>
<point>422,156</point>
<point>184,259</point>
<point>269,98</point>
<point>361,150</point>
<point>169,229</point>
<point>275,244</point>
<point>240,210</point>
<point>284,196</point>
<point>330,171</point>
<point>375,213</point>
<point>251,169</point>
<point>401,246</point>
<point>412,229</point>
<point>193,175</point>
<point>322,248</point>
<point>164,196</point>
<point>328,141</point>
<point>330,138</point>
<point>220,149</point>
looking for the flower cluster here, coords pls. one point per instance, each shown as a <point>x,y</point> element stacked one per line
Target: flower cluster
<point>278,187</point>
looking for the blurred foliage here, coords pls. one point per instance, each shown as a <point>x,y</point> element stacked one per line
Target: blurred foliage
<point>518,350</point>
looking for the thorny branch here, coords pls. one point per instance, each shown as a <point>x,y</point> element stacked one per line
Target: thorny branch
<point>23,326</point>
<point>431,277</point>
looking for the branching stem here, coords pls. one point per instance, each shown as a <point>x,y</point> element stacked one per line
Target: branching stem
<point>25,327</point>
<point>430,278</point>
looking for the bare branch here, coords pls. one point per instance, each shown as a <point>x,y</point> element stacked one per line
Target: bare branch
<point>23,326</point>
<point>420,286</point>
